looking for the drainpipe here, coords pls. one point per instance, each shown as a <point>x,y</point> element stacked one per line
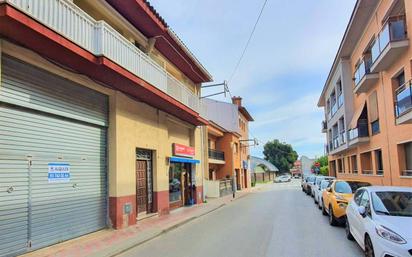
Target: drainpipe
<point>202,160</point>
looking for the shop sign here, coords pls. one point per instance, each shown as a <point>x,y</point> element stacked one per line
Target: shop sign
<point>183,150</point>
<point>58,172</point>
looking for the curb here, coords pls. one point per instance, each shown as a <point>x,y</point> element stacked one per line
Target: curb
<point>164,231</point>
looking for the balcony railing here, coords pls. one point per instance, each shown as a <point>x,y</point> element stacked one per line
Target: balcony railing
<point>216,155</point>
<point>99,38</point>
<point>393,30</point>
<point>379,172</point>
<point>367,172</point>
<point>340,100</point>
<point>324,126</point>
<point>334,109</point>
<point>360,131</point>
<point>363,69</point>
<point>403,102</point>
<point>342,137</point>
<point>407,173</point>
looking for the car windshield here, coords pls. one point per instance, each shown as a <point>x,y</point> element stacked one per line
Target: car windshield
<point>348,187</point>
<point>393,203</point>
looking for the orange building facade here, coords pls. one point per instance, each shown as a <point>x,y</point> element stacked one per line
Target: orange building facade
<point>368,98</point>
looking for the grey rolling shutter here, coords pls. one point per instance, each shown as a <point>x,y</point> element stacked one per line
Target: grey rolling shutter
<point>45,119</point>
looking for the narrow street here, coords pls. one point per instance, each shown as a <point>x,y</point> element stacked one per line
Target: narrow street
<point>277,221</point>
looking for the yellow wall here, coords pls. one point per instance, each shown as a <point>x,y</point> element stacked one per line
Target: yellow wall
<point>139,125</point>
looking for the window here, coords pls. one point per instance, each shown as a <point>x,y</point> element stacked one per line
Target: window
<point>358,196</point>
<point>373,112</point>
<point>354,163</point>
<point>375,127</point>
<point>366,163</point>
<point>340,166</point>
<point>364,201</point>
<point>379,162</point>
<point>400,79</point>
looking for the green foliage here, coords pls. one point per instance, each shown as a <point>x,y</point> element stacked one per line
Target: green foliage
<point>324,170</point>
<point>280,154</point>
<point>323,160</point>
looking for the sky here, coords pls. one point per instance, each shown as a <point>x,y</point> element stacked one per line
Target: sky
<point>282,74</point>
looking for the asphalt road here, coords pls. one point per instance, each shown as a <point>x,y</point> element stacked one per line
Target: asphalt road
<point>278,221</point>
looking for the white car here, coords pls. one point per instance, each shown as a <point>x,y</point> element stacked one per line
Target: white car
<point>319,188</point>
<point>282,178</point>
<point>380,220</point>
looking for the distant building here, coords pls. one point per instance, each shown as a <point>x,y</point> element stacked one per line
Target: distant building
<point>306,164</point>
<point>262,170</point>
<point>297,168</point>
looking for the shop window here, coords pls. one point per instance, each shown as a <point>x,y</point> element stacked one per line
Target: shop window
<point>379,162</point>
<point>405,156</point>
<point>340,166</point>
<point>366,163</point>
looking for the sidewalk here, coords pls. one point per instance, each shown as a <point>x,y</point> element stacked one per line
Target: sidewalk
<point>110,242</point>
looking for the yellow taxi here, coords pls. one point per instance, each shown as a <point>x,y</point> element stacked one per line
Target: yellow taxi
<point>337,196</point>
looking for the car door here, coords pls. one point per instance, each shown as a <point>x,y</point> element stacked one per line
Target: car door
<point>327,194</point>
<point>353,215</point>
<point>363,220</point>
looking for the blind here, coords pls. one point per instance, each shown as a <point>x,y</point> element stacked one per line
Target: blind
<point>373,107</point>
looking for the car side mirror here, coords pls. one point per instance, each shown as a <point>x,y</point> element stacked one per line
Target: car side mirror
<point>362,211</point>
<point>329,189</point>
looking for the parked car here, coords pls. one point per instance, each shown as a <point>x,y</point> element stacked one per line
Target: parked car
<point>282,178</point>
<point>296,175</point>
<point>309,183</point>
<point>336,198</point>
<point>380,220</point>
<point>318,189</point>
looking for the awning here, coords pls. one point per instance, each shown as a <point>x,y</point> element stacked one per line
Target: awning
<point>183,160</point>
<point>354,122</point>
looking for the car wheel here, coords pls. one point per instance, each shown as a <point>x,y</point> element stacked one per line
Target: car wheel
<point>347,230</point>
<point>324,209</point>
<point>319,204</point>
<point>314,200</point>
<point>369,247</point>
<point>332,218</point>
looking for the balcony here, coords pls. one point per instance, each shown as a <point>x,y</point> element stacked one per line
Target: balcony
<point>363,78</point>
<point>338,144</point>
<point>216,157</point>
<point>403,104</point>
<point>324,126</point>
<point>390,43</point>
<point>340,100</point>
<point>359,134</point>
<point>100,39</point>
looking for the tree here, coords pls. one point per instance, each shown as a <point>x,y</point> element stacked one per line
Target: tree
<point>280,154</point>
<point>323,161</point>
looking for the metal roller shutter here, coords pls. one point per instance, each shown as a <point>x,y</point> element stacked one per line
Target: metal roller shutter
<point>47,121</point>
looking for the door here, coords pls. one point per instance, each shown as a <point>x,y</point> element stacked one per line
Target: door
<point>48,125</point>
<point>141,186</point>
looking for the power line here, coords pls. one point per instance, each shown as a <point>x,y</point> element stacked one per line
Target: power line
<point>247,43</point>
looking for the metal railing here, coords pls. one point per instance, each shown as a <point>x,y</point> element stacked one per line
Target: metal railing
<point>393,30</point>
<point>403,102</point>
<point>216,155</point>
<point>407,173</point>
<point>340,100</point>
<point>379,172</point>
<point>367,172</point>
<point>334,108</point>
<point>324,125</point>
<point>362,69</point>
<point>360,131</point>
<point>99,38</point>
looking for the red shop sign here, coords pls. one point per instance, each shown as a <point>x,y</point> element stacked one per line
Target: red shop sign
<point>183,150</point>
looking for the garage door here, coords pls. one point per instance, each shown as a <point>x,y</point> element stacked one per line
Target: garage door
<point>52,159</point>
